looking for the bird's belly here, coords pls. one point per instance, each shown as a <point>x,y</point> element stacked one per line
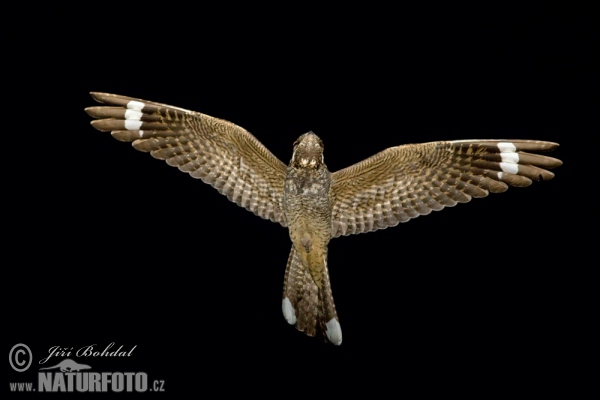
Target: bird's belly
<point>309,224</point>
<point>310,242</point>
<point>308,215</point>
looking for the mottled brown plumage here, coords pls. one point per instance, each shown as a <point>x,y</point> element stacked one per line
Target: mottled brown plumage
<point>390,187</point>
<point>220,153</point>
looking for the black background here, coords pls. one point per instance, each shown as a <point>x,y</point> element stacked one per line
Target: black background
<point>104,243</point>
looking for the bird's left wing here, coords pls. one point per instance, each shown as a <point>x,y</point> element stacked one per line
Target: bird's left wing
<point>216,151</point>
<point>404,182</point>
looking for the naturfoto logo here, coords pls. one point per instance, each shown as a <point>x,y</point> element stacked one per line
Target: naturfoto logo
<point>70,379</point>
<point>67,375</point>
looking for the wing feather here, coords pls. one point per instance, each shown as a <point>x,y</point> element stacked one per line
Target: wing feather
<point>216,151</point>
<point>404,182</point>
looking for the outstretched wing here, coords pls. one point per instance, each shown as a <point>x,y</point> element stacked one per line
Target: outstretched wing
<point>404,182</point>
<point>220,153</point>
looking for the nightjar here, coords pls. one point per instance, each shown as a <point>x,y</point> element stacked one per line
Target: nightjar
<point>315,204</point>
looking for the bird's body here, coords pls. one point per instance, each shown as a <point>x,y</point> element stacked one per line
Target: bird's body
<point>307,209</point>
<point>307,205</point>
<point>316,205</point>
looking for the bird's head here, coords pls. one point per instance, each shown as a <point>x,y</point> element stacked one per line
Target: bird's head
<point>308,151</point>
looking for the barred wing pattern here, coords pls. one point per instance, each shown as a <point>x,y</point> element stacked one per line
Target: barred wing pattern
<point>404,182</point>
<point>216,151</point>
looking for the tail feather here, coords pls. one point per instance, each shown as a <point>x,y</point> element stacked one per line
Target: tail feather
<point>310,308</point>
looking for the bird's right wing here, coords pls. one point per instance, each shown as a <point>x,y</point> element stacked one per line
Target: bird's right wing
<point>404,182</point>
<point>216,151</point>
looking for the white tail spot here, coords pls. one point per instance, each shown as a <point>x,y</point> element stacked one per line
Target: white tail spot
<point>288,311</point>
<point>334,331</point>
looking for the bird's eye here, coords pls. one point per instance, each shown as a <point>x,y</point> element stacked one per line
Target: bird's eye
<point>296,143</point>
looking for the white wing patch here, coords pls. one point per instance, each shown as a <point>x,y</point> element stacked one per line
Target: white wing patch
<point>511,168</point>
<point>506,147</point>
<point>131,125</point>
<point>135,105</point>
<point>510,159</point>
<point>133,115</point>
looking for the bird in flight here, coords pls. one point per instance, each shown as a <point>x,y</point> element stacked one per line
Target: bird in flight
<point>316,205</point>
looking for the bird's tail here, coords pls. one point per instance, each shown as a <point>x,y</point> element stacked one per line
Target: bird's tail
<point>306,305</point>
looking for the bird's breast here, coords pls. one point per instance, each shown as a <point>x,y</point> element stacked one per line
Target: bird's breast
<point>307,200</point>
